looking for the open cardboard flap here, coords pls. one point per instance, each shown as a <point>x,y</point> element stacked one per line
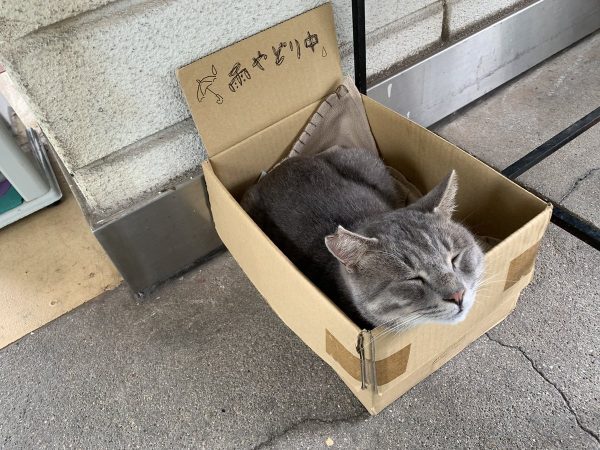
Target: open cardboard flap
<point>252,84</point>
<point>252,102</point>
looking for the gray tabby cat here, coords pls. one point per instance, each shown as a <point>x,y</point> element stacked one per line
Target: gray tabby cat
<point>335,215</point>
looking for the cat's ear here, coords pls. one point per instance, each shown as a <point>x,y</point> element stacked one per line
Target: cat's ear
<point>441,199</point>
<point>348,247</point>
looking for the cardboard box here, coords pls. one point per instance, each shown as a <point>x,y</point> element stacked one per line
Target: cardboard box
<point>250,101</point>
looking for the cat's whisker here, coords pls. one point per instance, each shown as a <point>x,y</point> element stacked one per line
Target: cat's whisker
<point>398,327</point>
<point>383,324</point>
<point>388,330</point>
<point>483,280</point>
<point>404,321</point>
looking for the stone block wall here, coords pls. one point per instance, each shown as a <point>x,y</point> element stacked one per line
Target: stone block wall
<point>100,74</point>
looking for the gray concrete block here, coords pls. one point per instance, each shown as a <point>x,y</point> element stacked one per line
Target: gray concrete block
<point>109,76</point>
<point>519,116</point>
<point>141,170</point>
<point>21,17</point>
<point>396,30</point>
<point>377,15</point>
<point>463,14</point>
<point>391,44</point>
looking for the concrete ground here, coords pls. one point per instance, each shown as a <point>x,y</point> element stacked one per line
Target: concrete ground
<point>205,363</point>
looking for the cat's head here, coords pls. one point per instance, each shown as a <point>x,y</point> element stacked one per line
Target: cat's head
<point>412,265</point>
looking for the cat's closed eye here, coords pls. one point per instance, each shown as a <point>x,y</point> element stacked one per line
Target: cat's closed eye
<point>455,259</point>
<point>416,278</point>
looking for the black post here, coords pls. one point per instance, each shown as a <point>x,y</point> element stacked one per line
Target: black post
<point>578,227</point>
<point>360,45</point>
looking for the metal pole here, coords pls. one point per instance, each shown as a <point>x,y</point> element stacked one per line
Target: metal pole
<point>360,45</point>
<point>550,146</point>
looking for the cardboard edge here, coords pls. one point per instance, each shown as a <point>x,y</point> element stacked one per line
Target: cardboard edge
<point>224,153</point>
<point>473,157</point>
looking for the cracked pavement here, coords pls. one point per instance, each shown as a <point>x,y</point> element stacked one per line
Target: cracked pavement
<point>591,432</point>
<point>579,183</point>
<point>204,362</point>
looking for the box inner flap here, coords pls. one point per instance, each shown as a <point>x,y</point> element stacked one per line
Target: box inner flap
<point>489,204</point>
<point>248,86</point>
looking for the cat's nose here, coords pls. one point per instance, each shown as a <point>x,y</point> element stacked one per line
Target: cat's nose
<point>457,297</point>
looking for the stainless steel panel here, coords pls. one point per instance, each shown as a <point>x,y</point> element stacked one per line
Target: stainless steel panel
<point>164,236</point>
<point>436,87</point>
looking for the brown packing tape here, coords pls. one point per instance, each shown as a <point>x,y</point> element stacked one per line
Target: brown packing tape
<point>387,369</point>
<point>393,366</point>
<point>521,265</point>
<point>347,360</point>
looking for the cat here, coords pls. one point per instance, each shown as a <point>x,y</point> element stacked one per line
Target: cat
<point>336,216</point>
